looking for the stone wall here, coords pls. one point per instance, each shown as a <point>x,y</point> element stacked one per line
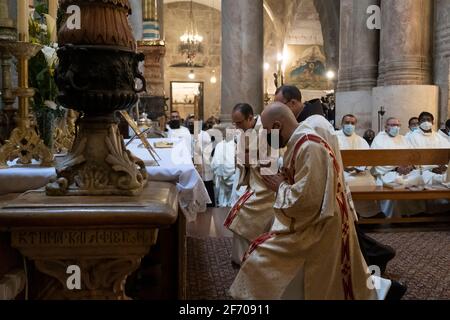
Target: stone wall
<point>208,20</point>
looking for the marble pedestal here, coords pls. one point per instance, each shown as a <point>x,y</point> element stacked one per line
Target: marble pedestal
<point>105,237</point>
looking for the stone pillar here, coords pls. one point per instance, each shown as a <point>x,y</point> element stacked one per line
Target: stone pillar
<point>442,56</point>
<point>358,67</point>
<point>153,102</point>
<point>150,20</point>
<point>242,55</point>
<point>153,68</point>
<point>405,79</point>
<point>358,62</point>
<point>407,28</point>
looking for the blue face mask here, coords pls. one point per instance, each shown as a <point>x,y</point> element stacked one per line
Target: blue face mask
<point>349,129</point>
<point>415,129</point>
<point>394,131</point>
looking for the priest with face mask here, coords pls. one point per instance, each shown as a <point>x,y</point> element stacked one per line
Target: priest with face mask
<point>176,131</point>
<point>390,139</point>
<point>252,215</point>
<point>357,176</point>
<point>311,251</point>
<point>312,116</point>
<point>427,138</point>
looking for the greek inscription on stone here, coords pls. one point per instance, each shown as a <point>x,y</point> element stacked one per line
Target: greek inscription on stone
<point>81,238</point>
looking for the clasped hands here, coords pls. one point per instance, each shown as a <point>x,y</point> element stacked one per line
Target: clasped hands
<point>273,182</point>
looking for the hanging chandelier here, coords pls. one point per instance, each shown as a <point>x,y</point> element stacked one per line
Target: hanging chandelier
<point>191,42</point>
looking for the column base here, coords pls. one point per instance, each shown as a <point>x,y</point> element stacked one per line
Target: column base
<point>405,102</point>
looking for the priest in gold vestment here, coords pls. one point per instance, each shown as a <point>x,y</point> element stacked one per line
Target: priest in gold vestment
<point>252,215</point>
<point>312,250</point>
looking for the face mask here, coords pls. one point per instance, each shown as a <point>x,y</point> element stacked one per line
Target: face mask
<point>415,129</point>
<point>191,128</point>
<point>426,126</point>
<point>394,131</point>
<point>175,124</point>
<point>349,130</point>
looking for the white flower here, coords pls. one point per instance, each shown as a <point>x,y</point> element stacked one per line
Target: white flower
<point>50,104</point>
<point>50,55</point>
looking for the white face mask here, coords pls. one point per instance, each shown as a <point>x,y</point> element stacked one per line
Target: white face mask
<point>426,126</point>
<point>349,130</point>
<point>394,131</point>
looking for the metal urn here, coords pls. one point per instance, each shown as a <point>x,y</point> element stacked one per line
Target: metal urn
<point>97,76</point>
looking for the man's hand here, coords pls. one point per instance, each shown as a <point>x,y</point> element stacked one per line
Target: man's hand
<point>440,170</point>
<point>405,170</point>
<point>274,182</point>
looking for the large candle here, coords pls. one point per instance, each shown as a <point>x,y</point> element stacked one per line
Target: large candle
<point>53,13</point>
<point>22,19</point>
<point>53,8</point>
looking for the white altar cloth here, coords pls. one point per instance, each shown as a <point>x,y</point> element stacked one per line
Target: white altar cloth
<point>176,166</point>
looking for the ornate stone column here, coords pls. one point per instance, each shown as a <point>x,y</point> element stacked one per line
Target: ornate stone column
<point>405,79</point>
<point>242,55</point>
<point>407,28</point>
<point>358,61</point>
<point>358,67</point>
<point>150,20</point>
<point>442,56</point>
<point>153,102</point>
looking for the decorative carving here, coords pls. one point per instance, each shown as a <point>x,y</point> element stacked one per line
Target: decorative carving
<point>99,164</point>
<point>105,258</point>
<point>104,22</point>
<point>65,132</point>
<point>98,80</point>
<point>96,75</point>
<point>101,279</point>
<point>25,145</point>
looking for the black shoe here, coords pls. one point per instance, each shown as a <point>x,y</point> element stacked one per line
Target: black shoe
<point>396,292</point>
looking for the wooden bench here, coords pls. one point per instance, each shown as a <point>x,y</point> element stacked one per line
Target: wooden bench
<point>398,158</point>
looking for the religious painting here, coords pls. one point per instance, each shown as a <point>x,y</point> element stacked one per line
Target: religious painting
<point>305,67</point>
<point>187,98</point>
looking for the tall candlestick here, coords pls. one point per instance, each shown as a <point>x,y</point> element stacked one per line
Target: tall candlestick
<point>22,20</point>
<point>51,20</point>
<point>53,8</point>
